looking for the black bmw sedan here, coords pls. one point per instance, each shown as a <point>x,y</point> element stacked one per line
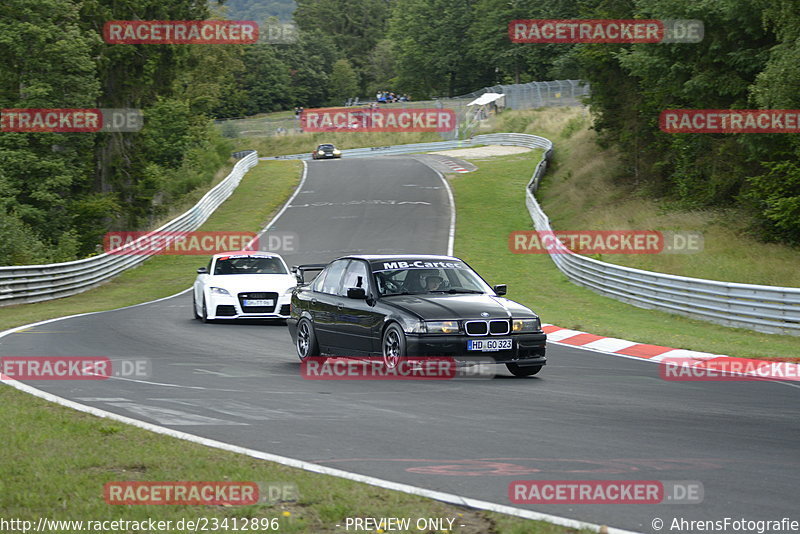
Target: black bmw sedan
<point>412,306</point>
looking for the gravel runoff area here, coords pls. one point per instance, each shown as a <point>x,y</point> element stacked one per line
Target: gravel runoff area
<point>483,151</point>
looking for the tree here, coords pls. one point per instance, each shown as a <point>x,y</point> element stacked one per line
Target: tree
<point>47,62</point>
<point>344,82</point>
<point>355,26</point>
<point>380,70</point>
<point>433,45</point>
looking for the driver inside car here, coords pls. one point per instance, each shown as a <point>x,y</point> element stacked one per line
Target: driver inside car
<point>433,282</point>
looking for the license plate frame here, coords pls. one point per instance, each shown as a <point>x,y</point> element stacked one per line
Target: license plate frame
<point>490,344</point>
<point>258,303</point>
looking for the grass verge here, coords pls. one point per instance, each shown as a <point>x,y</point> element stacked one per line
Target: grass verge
<point>490,205</point>
<point>84,452</point>
<point>585,189</point>
<point>260,194</point>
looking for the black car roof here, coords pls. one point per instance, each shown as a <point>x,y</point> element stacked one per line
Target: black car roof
<point>389,257</point>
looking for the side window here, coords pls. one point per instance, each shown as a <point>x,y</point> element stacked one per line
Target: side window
<point>356,276</point>
<point>333,277</point>
<point>316,285</point>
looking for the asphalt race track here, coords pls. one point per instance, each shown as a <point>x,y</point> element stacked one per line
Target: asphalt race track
<point>587,416</point>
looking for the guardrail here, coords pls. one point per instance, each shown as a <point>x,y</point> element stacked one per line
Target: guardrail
<point>36,283</point>
<point>769,309</point>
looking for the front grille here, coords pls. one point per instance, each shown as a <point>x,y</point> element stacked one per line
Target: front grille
<point>258,295</point>
<point>499,328</point>
<point>495,327</point>
<point>477,328</point>
<point>226,310</point>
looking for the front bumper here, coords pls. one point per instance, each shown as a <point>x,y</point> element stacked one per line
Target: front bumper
<point>222,307</point>
<point>527,349</point>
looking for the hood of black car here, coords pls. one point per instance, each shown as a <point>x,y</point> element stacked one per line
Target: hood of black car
<point>431,307</point>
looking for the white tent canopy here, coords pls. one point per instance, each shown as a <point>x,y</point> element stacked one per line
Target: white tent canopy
<point>486,98</point>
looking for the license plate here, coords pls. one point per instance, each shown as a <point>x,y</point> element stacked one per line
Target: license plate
<point>258,302</point>
<point>489,345</point>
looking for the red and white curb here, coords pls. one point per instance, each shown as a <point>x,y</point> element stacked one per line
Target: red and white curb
<point>455,166</point>
<point>657,353</point>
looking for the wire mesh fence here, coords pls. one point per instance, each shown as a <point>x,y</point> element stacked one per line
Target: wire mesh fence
<point>517,96</point>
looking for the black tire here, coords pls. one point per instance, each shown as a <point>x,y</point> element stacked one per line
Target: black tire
<point>393,346</point>
<point>523,370</point>
<point>204,317</point>
<point>194,306</point>
<point>306,342</point>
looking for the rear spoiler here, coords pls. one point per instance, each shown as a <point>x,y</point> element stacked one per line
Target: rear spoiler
<point>299,270</point>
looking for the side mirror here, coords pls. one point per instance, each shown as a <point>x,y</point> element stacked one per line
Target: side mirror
<point>202,270</point>
<point>500,289</point>
<point>298,274</point>
<point>356,293</point>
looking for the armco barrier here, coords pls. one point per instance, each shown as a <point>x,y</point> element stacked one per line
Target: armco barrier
<point>769,309</point>
<point>36,283</point>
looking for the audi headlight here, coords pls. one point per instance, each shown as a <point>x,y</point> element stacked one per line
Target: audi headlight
<point>441,327</point>
<point>337,152</point>
<point>219,291</point>
<point>321,152</point>
<point>525,325</point>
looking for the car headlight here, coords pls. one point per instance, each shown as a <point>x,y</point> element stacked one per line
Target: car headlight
<point>337,152</point>
<point>219,291</point>
<point>412,326</point>
<point>525,325</point>
<point>441,327</point>
<point>321,152</point>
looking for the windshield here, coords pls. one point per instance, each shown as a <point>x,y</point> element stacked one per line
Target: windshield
<point>325,147</point>
<point>426,277</point>
<point>249,265</point>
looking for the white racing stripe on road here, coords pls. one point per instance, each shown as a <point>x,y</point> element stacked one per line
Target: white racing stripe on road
<point>610,344</point>
<point>315,468</point>
<point>291,462</point>
<point>562,334</point>
<point>451,236</point>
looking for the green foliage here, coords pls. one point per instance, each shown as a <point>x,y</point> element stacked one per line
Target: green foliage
<point>344,82</point>
<point>748,58</point>
<point>355,26</point>
<point>433,45</point>
<point>19,245</point>
<point>777,196</point>
<point>259,9</point>
<point>266,81</point>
